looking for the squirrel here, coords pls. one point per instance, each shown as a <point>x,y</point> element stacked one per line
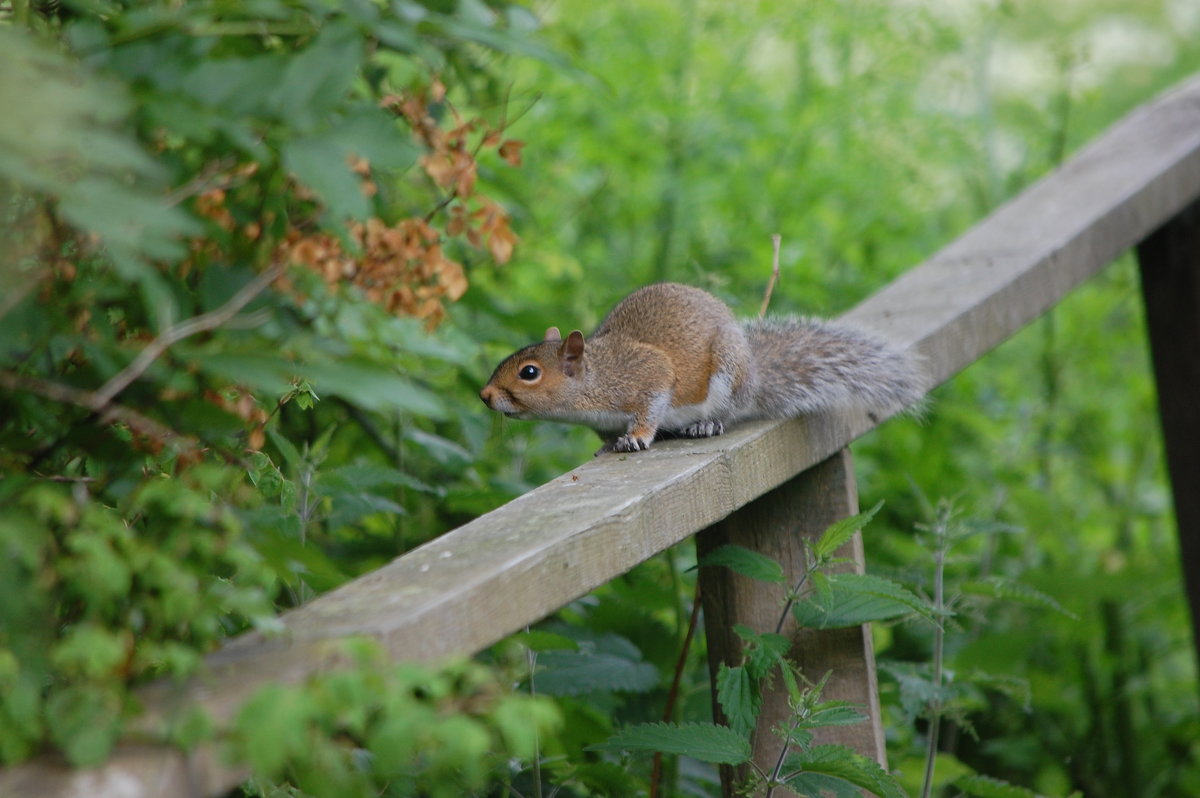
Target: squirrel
<point>670,358</point>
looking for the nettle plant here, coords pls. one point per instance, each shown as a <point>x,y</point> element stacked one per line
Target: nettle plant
<point>821,599</point>
<point>817,599</point>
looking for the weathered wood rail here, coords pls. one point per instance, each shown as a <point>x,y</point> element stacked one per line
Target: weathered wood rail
<point>763,485</point>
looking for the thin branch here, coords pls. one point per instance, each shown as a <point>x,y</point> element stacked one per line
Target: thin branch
<point>212,176</point>
<point>791,599</point>
<point>90,400</point>
<point>773,782</point>
<point>185,329</point>
<point>939,645</point>
<point>673,695</point>
<point>775,240</point>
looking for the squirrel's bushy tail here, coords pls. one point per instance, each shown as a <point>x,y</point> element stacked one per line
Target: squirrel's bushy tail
<point>805,366</point>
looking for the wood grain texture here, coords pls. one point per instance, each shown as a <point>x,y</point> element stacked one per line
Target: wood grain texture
<point>1170,267</point>
<point>780,524</point>
<point>515,565</point>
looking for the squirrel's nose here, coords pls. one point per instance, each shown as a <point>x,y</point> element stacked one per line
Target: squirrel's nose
<point>486,395</point>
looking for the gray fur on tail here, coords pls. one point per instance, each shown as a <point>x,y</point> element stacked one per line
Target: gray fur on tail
<point>805,366</point>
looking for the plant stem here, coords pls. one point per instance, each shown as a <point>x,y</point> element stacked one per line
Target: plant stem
<point>673,695</point>
<point>775,240</point>
<point>939,639</point>
<point>197,324</point>
<point>787,607</point>
<point>773,781</point>
<point>531,659</point>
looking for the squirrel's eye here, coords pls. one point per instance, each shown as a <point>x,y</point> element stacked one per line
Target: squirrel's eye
<point>529,373</point>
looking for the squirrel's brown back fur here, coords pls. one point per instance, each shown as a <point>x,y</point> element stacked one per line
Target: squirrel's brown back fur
<point>692,326</point>
<point>673,357</point>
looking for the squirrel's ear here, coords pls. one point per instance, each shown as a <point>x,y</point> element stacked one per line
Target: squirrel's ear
<point>552,334</point>
<point>571,353</point>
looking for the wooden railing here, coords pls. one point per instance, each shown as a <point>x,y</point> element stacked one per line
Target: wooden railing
<point>763,485</point>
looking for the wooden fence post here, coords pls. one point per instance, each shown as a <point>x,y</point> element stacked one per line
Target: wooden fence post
<point>1170,266</point>
<point>777,524</point>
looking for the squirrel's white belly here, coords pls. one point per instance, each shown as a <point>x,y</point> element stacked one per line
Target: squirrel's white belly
<point>600,420</point>
<point>717,405</point>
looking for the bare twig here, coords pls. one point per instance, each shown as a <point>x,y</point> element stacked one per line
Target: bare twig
<point>773,781</point>
<point>185,329</point>
<point>673,695</point>
<point>791,599</point>
<point>941,522</point>
<point>90,400</point>
<point>212,176</point>
<point>775,239</point>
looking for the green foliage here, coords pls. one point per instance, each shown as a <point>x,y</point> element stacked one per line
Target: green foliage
<point>745,562</point>
<point>839,770</point>
<point>379,729</point>
<point>813,769</point>
<point>704,741</point>
<point>740,698</point>
<point>840,600</point>
<point>156,158</point>
<point>840,532</point>
<point>983,787</point>
<point>98,596</point>
<point>597,663</point>
<point>219,388</point>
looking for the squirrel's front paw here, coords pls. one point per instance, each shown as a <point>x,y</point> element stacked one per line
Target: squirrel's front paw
<point>631,443</point>
<point>704,429</point>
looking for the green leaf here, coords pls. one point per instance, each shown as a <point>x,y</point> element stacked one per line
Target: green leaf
<point>321,160</point>
<point>65,137</point>
<point>192,728</point>
<point>580,672</point>
<point>20,707</point>
<point>1010,590</point>
<point>538,640</point>
<point>706,742</point>
<point>740,698</point>
<point>606,778</point>
<point>745,562</point>
<point>320,163</point>
<point>267,373</point>
<point>818,785</point>
<point>367,385</point>
<point>834,713</point>
<point>472,31</point>
<point>443,451</point>
<point>357,477</point>
<point>855,599</point>
<point>291,560</point>
<point>317,80</point>
<point>762,651</point>
<point>841,531</point>
<point>85,721</point>
<point>987,787</point>
<point>839,762</point>
<point>291,455</point>
<point>917,690</point>
<point>91,651</point>
<point>359,381</point>
<point>273,726</point>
